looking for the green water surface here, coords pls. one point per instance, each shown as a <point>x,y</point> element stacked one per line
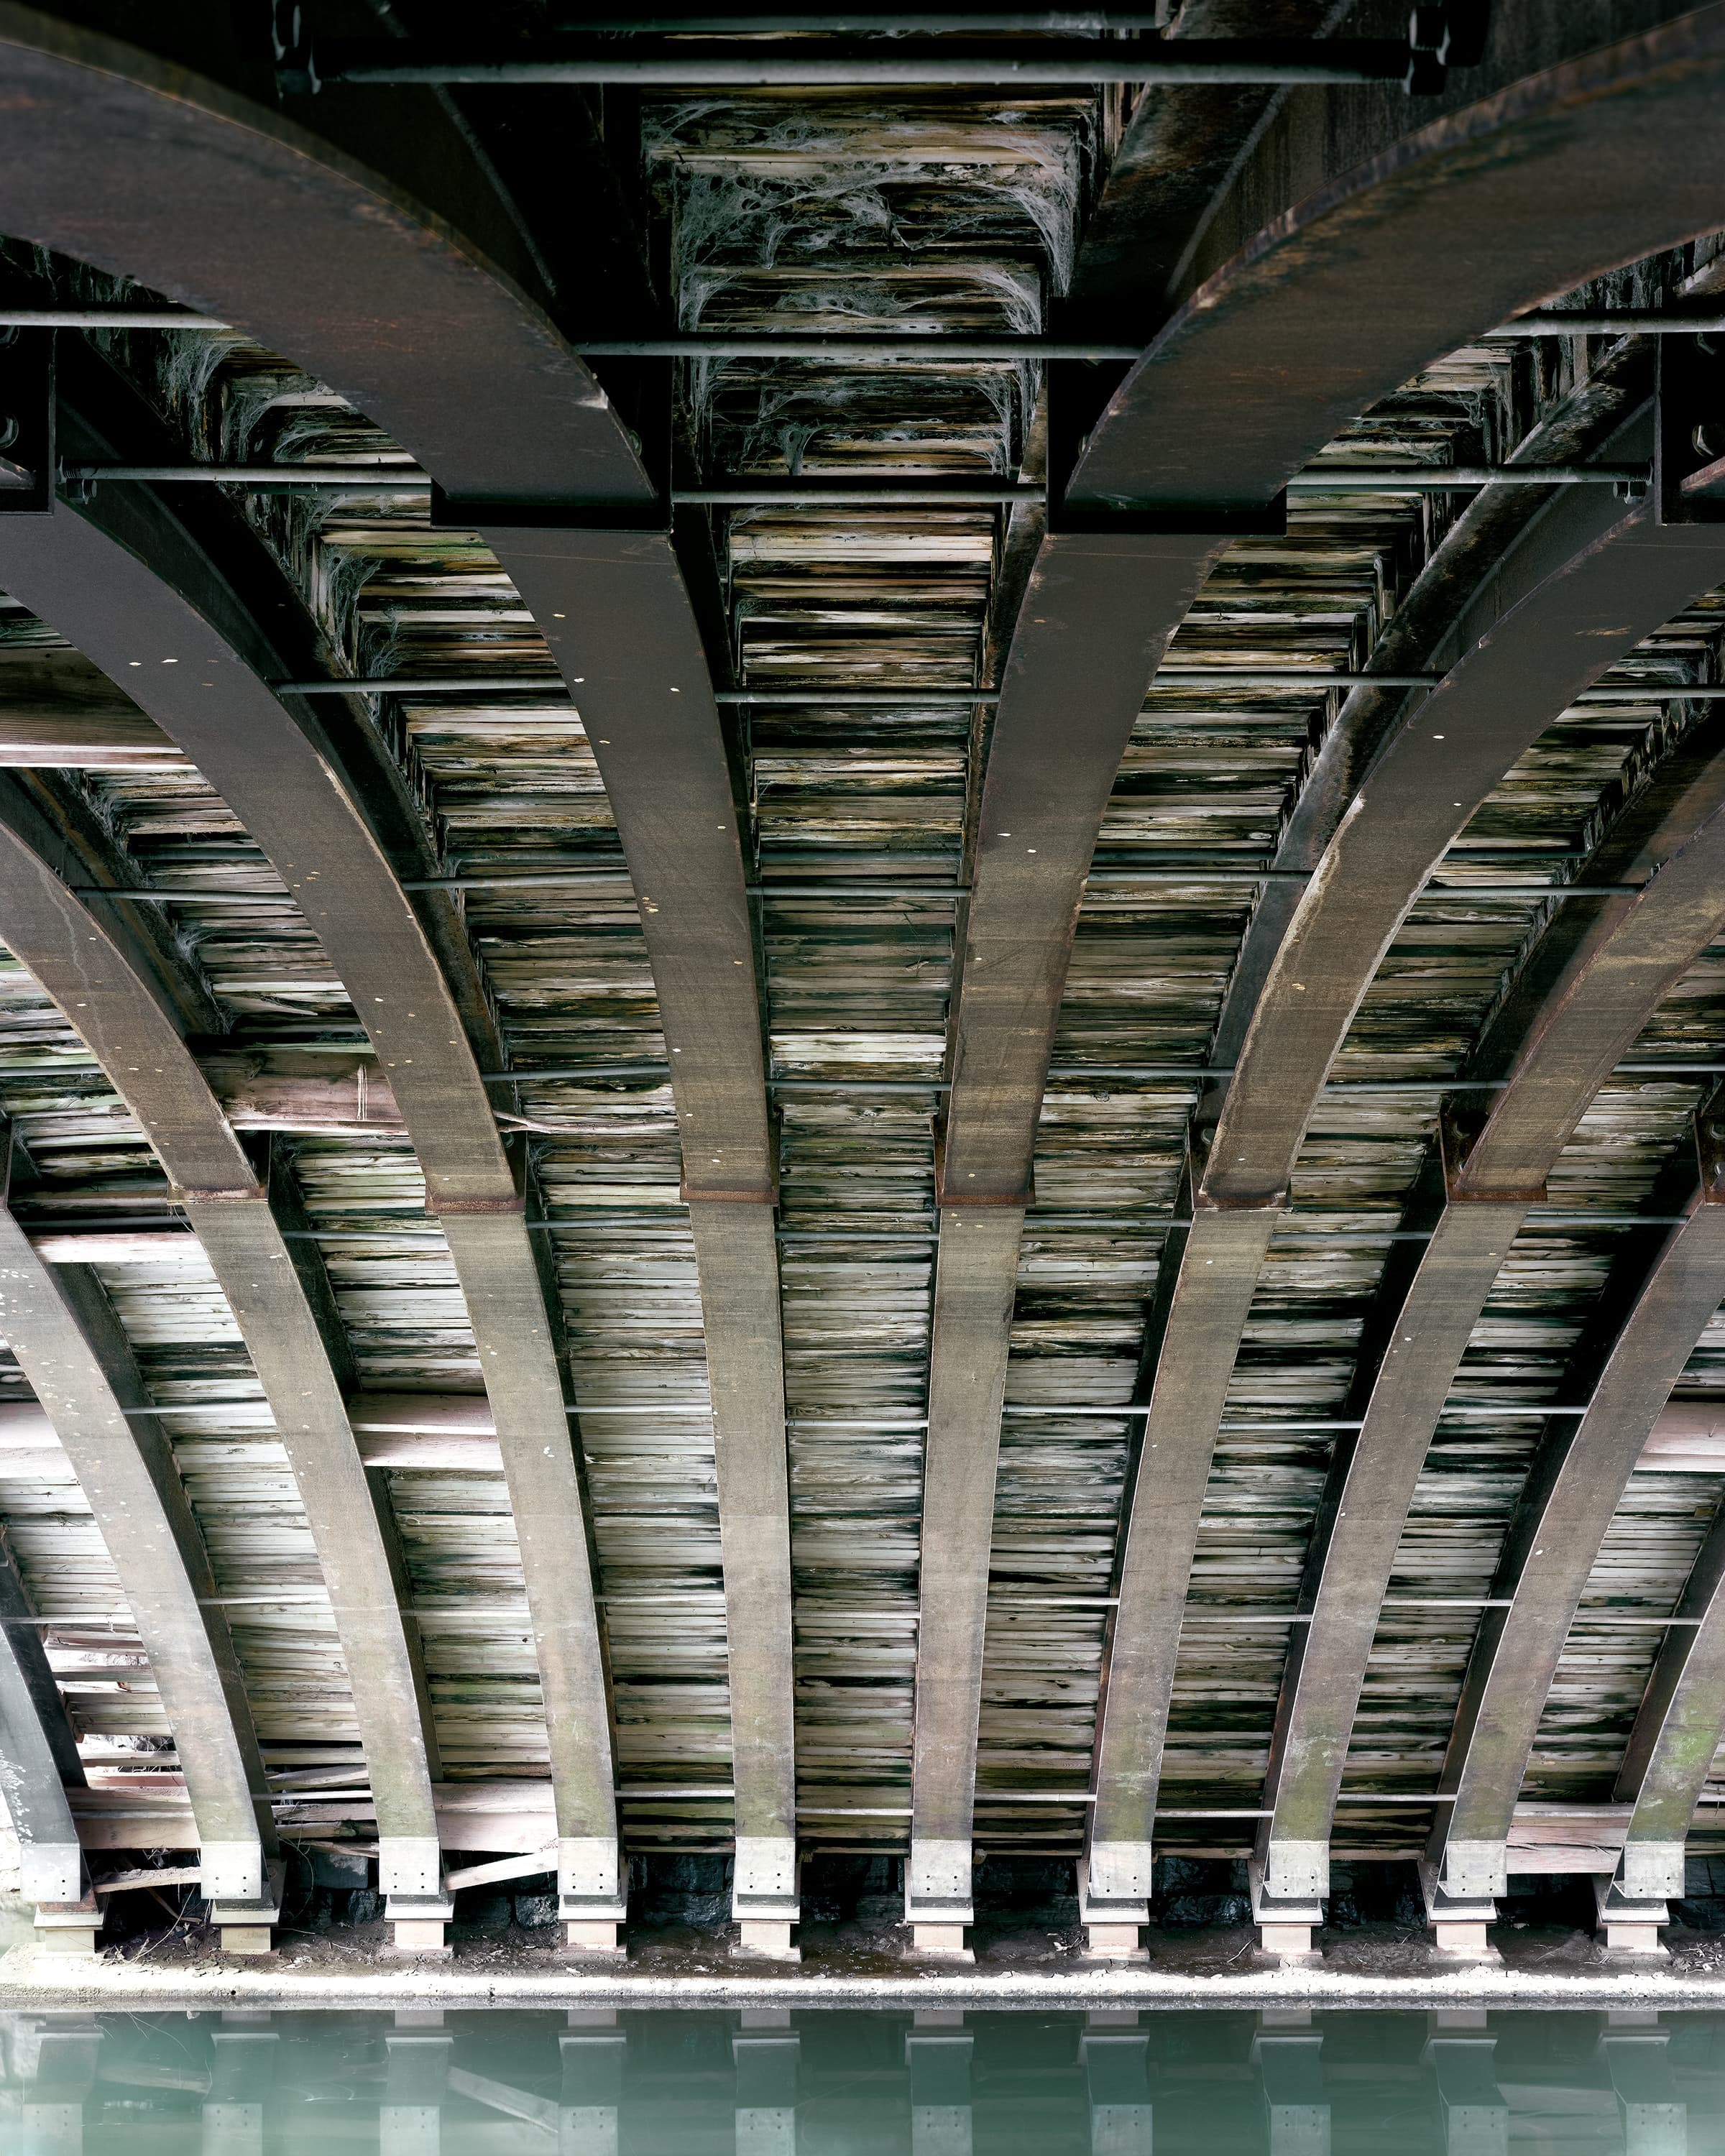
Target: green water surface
<point>881,2082</point>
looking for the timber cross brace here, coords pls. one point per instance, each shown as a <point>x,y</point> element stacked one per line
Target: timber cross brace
<point>688,899</point>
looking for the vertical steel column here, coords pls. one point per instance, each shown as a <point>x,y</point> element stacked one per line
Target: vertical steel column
<point>736,1258</point>
<point>1462,2056</point>
<point>410,2120</point>
<point>1677,1732</point>
<point>1650,2106</point>
<point>615,611</point>
<point>54,2056</point>
<point>1287,2051</point>
<point>975,1270</point>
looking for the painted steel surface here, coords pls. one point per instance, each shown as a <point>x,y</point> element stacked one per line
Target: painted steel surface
<point>1307,300</point>
<point>58,1324</point>
<point>1582,1004</point>
<point>456,360</point>
<point>38,1753</point>
<point>974,1272</point>
<point>1573,1489</point>
<point>80,966</point>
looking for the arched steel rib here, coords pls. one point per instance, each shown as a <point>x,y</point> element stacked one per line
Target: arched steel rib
<point>617,617</point>
<point>119,602</point>
<point>1569,598</point>
<point>1678,1730</point>
<point>82,966</point>
<point>975,1270</point>
<point>382,300</point>
<point>736,1258</point>
<point>1574,1488</point>
<point>1592,983</point>
<point>1333,307</point>
<point>60,1327</point>
<point>39,1754</point>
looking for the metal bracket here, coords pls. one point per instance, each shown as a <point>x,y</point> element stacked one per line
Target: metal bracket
<point>1689,431</point>
<point>1456,1136</point>
<point>28,469</point>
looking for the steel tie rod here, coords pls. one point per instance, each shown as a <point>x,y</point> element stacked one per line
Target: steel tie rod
<point>1075,62</point>
<point>886,494</point>
<point>931,345</point>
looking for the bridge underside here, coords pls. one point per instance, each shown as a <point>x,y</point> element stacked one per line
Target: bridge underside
<point>862,973</point>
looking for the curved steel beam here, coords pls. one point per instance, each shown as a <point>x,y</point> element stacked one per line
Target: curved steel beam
<point>1591,984</point>
<point>38,1753</point>
<point>524,443</point>
<point>1332,307</point>
<point>82,966</point>
<point>618,618</point>
<point>1575,1487</point>
<point>1677,1732</point>
<point>143,590</point>
<point>1580,587</point>
<point>976,1269</point>
<point>60,1326</point>
<point>180,185</point>
<point>736,1260</point>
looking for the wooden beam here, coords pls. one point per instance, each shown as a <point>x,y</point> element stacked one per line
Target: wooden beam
<point>418,1431</point>
<point>57,711</point>
<point>128,1882</point>
<point>527,1866</point>
<point>1688,1439</point>
<point>275,1090</point>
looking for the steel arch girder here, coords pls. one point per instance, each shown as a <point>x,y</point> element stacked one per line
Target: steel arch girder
<point>117,607</point>
<point>480,387</point>
<point>1172,438</point>
<point>1555,1545</point>
<point>81,967</point>
<point>1581,587</point>
<point>38,1753</point>
<point>1677,1732</point>
<point>1619,965</point>
<point>82,1372</point>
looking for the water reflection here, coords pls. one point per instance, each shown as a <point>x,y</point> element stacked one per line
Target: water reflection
<point>774,2082</point>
